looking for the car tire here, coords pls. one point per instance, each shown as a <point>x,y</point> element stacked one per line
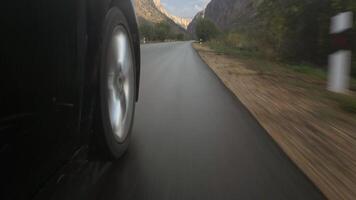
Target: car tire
<point>115,102</point>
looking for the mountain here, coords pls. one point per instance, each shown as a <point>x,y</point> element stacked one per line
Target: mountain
<point>183,22</point>
<point>192,26</point>
<point>227,14</point>
<point>147,11</point>
<point>151,11</point>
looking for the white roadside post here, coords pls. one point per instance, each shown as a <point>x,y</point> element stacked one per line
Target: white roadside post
<point>340,60</point>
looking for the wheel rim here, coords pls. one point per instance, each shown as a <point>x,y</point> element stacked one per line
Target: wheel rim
<point>120,83</point>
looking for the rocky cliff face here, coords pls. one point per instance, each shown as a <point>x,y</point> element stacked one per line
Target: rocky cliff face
<point>192,26</point>
<point>152,11</point>
<point>146,11</point>
<point>228,14</point>
<point>183,22</point>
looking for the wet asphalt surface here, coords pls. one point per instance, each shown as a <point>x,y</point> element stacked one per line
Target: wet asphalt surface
<point>192,139</point>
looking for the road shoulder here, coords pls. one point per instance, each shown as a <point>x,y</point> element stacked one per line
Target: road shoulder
<point>314,132</point>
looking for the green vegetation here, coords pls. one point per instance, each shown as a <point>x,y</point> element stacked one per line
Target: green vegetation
<point>206,29</point>
<point>234,44</point>
<point>158,32</point>
<point>147,31</point>
<point>310,70</point>
<point>179,36</point>
<point>346,102</point>
<point>162,31</point>
<point>298,30</point>
<point>290,31</point>
<point>353,84</point>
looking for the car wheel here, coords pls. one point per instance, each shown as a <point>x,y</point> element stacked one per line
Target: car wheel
<point>117,86</point>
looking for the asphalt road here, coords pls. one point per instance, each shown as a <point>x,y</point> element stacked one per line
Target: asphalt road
<point>192,139</point>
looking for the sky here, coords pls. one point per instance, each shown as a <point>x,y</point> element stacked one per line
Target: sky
<point>184,8</point>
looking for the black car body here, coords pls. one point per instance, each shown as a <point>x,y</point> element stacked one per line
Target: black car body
<point>48,85</point>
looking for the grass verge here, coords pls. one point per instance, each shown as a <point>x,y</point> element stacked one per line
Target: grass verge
<point>264,65</point>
